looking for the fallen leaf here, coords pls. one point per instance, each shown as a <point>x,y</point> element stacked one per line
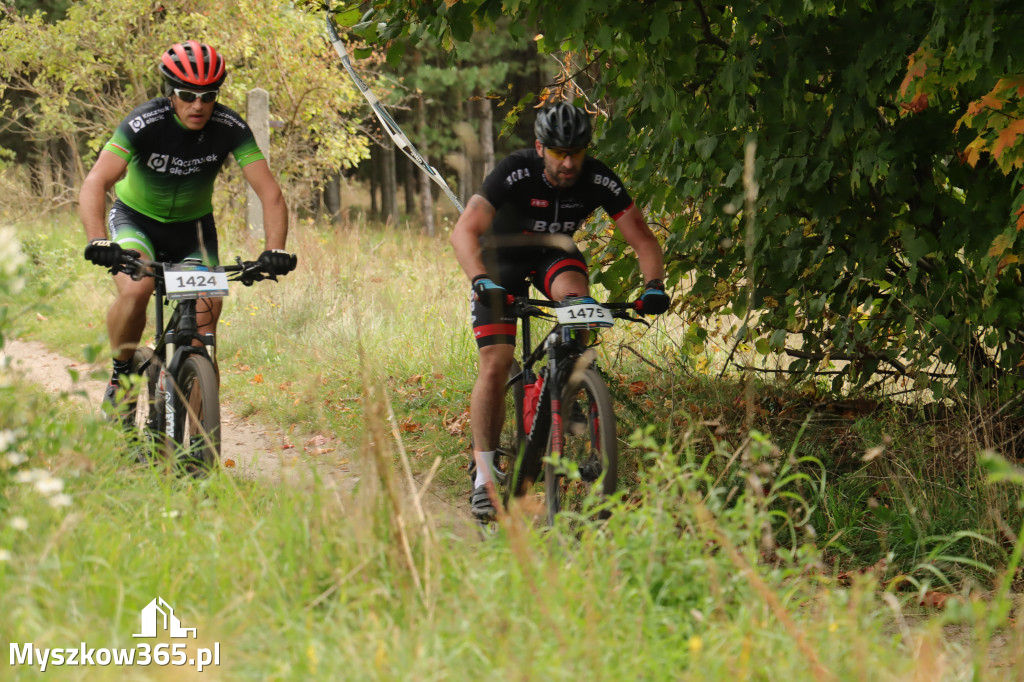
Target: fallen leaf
<point>457,425</point>
<point>409,426</point>
<point>637,387</point>
<point>935,599</point>
<point>873,453</point>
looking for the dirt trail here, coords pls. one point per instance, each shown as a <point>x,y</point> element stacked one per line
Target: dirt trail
<point>247,448</point>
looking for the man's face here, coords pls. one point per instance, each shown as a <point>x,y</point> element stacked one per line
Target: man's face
<point>195,114</point>
<point>561,166</point>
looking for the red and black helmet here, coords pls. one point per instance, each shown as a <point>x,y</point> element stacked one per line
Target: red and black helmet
<point>192,64</point>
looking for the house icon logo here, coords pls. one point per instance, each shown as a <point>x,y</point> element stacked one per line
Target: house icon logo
<point>159,612</point>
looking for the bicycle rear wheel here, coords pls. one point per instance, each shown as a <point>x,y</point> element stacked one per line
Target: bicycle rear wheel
<point>510,439</point>
<point>585,471</point>
<point>197,431</point>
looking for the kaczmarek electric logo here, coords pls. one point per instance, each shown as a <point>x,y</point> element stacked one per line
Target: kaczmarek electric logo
<point>157,620</point>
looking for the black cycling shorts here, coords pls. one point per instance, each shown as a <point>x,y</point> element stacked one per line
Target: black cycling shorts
<point>516,270</point>
<point>165,242</point>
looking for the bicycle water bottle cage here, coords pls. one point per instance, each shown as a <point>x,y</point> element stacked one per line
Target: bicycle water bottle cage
<point>531,398</point>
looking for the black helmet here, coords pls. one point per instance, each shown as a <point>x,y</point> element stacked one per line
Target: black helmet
<point>563,125</point>
<point>192,64</point>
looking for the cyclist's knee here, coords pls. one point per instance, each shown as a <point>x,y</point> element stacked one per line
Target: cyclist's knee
<point>569,283</point>
<point>495,361</point>
<point>129,289</point>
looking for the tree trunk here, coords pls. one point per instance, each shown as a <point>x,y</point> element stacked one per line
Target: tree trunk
<point>332,197</point>
<point>375,154</point>
<point>389,184</point>
<point>486,138</point>
<point>426,198</point>
<point>426,203</point>
<point>409,171</point>
<point>466,187</point>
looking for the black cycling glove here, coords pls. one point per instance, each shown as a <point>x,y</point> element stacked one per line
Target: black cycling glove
<point>654,300</point>
<point>278,261</point>
<point>489,293</point>
<point>103,252</point>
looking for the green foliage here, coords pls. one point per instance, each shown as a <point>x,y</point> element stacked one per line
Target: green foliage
<point>315,574</point>
<point>681,579</point>
<point>78,77</point>
<point>884,234</point>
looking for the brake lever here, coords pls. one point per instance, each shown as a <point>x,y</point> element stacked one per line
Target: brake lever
<point>534,311</point>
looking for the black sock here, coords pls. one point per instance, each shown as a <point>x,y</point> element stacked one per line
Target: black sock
<point>120,367</point>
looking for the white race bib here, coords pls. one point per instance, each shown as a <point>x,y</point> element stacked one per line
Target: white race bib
<point>185,280</point>
<point>585,315</point>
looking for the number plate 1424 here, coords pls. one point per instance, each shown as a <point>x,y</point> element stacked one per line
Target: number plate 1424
<point>185,281</point>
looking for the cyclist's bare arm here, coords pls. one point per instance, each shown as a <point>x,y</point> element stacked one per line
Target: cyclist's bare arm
<point>92,198</point>
<point>275,211</point>
<point>648,251</point>
<point>465,239</point>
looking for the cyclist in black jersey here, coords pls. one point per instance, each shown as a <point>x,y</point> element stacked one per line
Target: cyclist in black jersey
<point>518,230</point>
<point>162,160</point>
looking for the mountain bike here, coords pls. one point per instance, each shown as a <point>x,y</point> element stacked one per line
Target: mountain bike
<point>559,416</point>
<point>173,402</point>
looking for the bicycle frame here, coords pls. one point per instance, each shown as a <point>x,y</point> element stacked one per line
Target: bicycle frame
<point>184,356</point>
<point>560,345</point>
<point>173,344</point>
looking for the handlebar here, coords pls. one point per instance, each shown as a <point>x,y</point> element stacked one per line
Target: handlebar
<point>523,306</point>
<point>247,272</point>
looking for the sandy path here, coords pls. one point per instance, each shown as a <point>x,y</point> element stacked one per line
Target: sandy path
<point>247,448</point>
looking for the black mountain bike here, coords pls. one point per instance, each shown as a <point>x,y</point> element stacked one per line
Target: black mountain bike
<point>559,417</point>
<point>174,399</point>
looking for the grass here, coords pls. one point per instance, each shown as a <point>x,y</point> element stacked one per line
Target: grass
<point>746,543</point>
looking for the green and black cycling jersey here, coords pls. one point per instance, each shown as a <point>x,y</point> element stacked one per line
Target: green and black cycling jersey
<point>527,203</point>
<point>171,169</point>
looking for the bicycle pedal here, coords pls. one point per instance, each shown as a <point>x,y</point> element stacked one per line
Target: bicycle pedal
<point>590,470</point>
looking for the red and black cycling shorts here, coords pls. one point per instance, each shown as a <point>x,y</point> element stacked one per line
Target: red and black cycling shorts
<point>515,270</point>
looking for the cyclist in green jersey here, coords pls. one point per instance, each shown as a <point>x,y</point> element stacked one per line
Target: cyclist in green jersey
<point>162,161</point>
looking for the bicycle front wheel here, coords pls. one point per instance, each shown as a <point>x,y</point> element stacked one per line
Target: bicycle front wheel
<point>146,415</point>
<point>197,431</point>
<point>583,470</point>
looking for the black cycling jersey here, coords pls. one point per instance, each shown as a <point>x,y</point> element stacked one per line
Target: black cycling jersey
<point>171,169</point>
<point>528,207</point>
<point>527,203</point>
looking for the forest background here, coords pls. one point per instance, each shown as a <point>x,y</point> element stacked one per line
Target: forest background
<point>838,187</point>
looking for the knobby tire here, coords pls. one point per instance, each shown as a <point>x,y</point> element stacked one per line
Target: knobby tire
<point>510,440</point>
<point>197,430</point>
<point>588,465</point>
<point>147,415</point>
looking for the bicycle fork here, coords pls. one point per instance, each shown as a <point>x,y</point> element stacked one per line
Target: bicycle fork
<point>555,377</point>
<point>167,387</point>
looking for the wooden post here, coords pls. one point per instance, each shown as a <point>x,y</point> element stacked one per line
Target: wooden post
<point>258,118</point>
